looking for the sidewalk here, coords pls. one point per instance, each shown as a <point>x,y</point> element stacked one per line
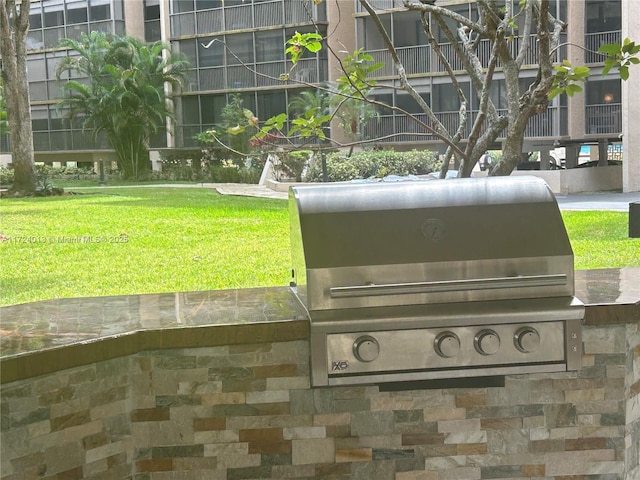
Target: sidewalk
<point>593,201</point>
<point>618,202</point>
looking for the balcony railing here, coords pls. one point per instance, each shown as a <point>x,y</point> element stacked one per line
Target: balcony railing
<point>593,41</point>
<point>241,17</point>
<point>420,59</point>
<point>605,118</point>
<point>380,5</point>
<point>401,128</point>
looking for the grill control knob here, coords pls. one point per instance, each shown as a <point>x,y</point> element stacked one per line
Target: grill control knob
<point>527,339</point>
<point>366,348</point>
<point>447,344</point>
<point>487,342</point>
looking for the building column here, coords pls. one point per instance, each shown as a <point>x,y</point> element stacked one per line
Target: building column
<point>571,156</point>
<point>575,36</point>
<point>342,36</point>
<point>603,152</point>
<point>630,104</point>
<point>545,158</point>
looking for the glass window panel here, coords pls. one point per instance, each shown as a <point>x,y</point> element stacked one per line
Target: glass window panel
<point>407,30</point>
<point>99,13</point>
<point>190,110</point>
<point>603,15</point>
<point>241,45</point>
<point>208,4</point>
<point>603,92</point>
<point>36,68</point>
<point>38,90</point>
<point>151,11</point>
<point>269,46</point>
<point>77,12</point>
<point>118,10</point>
<point>445,98</point>
<point>39,118</point>
<point>180,6</point>
<point>270,104</point>
<point>61,140</point>
<point>57,119</point>
<point>53,15</point>
<point>210,52</point>
<point>407,103</point>
<point>35,19</point>
<point>212,106</point>
<point>34,40</point>
<point>188,49</point>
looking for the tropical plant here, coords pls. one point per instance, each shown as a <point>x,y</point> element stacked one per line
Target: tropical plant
<point>123,96</point>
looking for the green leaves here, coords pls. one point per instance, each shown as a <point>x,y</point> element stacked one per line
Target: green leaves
<point>124,97</point>
<point>301,42</point>
<point>620,56</point>
<point>310,125</point>
<point>568,79</point>
<point>358,66</point>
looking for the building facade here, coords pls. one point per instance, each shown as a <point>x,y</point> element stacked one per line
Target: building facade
<point>236,47</point>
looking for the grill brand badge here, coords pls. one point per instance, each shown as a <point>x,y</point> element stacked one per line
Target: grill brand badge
<point>433,229</point>
<point>340,366</point>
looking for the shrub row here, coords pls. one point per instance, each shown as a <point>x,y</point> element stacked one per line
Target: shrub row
<point>362,165</point>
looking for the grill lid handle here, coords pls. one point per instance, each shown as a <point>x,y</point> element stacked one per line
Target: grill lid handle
<point>447,286</point>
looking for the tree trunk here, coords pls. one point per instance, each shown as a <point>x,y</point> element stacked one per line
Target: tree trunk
<point>13,50</point>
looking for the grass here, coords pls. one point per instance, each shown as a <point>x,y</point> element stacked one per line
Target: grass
<point>148,240</point>
<point>600,239</point>
<point>177,239</point>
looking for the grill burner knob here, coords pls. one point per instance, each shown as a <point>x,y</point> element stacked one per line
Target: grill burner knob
<point>487,342</point>
<point>527,339</point>
<point>366,348</point>
<point>447,344</point>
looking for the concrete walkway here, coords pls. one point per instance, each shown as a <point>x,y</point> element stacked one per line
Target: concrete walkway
<point>596,201</point>
<point>584,201</point>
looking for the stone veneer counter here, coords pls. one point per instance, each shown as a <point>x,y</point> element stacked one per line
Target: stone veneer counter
<point>215,386</point>
<point>43,337</point>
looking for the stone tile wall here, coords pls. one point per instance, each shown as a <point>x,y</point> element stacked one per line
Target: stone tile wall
<point>632,439</point>
<point>247,412</point>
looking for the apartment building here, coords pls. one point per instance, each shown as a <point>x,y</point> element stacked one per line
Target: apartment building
<point>237,47</point>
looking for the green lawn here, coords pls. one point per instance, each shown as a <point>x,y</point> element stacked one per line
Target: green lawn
<point>147,240</point>
<point>177,239</point>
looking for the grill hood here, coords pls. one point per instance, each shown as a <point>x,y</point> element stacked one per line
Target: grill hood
<point>417,242</point>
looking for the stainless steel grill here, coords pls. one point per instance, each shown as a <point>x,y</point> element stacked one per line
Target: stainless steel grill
<point>434,279</point>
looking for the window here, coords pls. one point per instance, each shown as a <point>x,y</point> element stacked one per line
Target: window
<point>603,92</point>
<point>76,13</point>
<point>210,52</point>
<point>269,46</point>
<point>190,111</point>
<point>208,4</point>
<point>39,118</point>
<point>239,48</point>
<point>603,16</point>
<point>35,19</point>
<point>368,35</point>
<point>212,106</point>
<point>36,68</point>
<point>271,104</point>
<point>406,102</point>
<point>407,30</point>
<point>181,6</point>
<point>53,15</point>
<point>99,10</point>
<point>445,98</point>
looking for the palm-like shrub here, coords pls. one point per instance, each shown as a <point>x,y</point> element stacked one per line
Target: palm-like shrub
<point>122,93</point>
